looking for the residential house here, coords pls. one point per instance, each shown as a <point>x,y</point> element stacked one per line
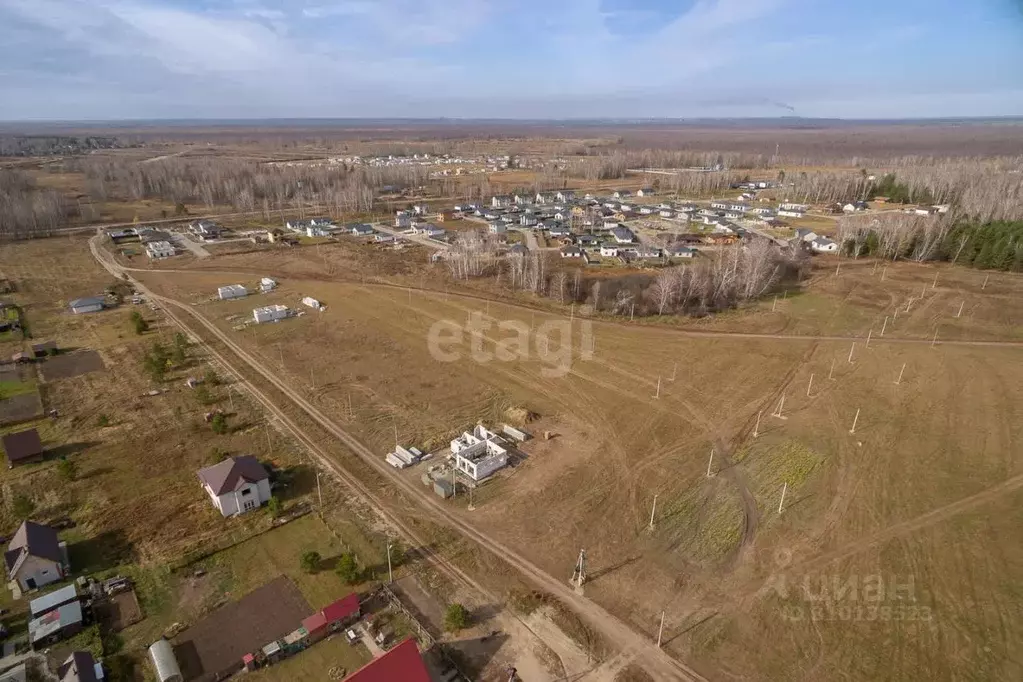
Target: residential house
<point>579,211</point>
<point>267,284</point>
<point>360,229</point>
<point>523,199</point>
<point>297,225</point>
<point>563,215</point>
<point>679,250</point>
<point>565,195</point>
<point>621,194</point>
<point>611,205</point>
<point>546,198</point>
<point>316,231</point>
<point>501,201</point>
<point>738,207</point>
<point>762,210</point>
<point>645,192</point>
<point>707,212</point>
<point>333,618</point>
<point>17,673</point>
<point>625,208</point>
<point>402,219</point>
<point>609,250</point>
<point>492,215</point>
<point>790,213</point>
<point>35,557</point>
<point>925,210</point>
<point>609,223</point>
<point>805,235</point>
<point>236,485</point>
<point>585,240</point>
<point>403,662</point>
<point>22,447</point>
<point>90,304</point>
<point>498,228</point>
<point>646,210</point>
<point>623,235</point>
<point>646,252</point>
<point>205,229</point>
<point>720,205</point>
<point>571,252</point>
<point>420,209</point>
<point>448,215</point>
<point>734,215</point>
<point>509,219</point>
<point>80,666</point>
<point>428,230</point>
<point>527,220</point>
<point>558,230</point>
<point>789,206</point>
<point>824,245</point>
<point>667,213</point>
<point>232,291</point>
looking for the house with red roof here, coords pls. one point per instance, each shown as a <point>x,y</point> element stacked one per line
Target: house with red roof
<point>333,617</point>
<point>402,663</point>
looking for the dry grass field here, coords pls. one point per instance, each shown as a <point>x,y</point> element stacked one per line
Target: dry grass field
<point>924,495</point>
<point>134,502</point>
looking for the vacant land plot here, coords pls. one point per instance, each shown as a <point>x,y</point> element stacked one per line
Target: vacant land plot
<point>685,413</point>
<point>71,365</point>
<point>20,408</point>
<point>216,644</point>
<point>119,611</point>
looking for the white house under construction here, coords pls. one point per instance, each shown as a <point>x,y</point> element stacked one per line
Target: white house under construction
<point>479,454</point>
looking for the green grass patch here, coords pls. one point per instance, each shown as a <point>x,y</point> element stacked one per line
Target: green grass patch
<point>10,389</point>
<point>704,523</point>
<point>789,462</point>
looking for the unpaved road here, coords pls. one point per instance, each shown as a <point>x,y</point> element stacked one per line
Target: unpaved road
<point>654,660</point>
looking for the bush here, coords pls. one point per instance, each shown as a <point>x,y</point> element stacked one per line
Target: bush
<point>310,561</point>
<point>102,421</point>
<point>219,424</point>
<point>347,569</point>
<point>273,506</point>
<point>138,323</point>
<point>66,468</point>
<point>211,378</point>
<point>202,394</point>
<point>456,618</point>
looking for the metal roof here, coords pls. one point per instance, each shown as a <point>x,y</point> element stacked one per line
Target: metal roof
<point>47,602</point>
<point>226,476</point>
<point>403,662</point>
<point>54,621</point>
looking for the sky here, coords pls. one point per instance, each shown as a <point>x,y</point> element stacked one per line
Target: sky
<point>517,59</point>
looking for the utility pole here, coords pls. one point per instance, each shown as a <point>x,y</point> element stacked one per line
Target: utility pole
<point>710,463</point>
<point>269,445</point>
<point>934,284</point>
<point>809,385</point>
<point>653,509</point>
<point>831,373</point>
<point>984,286</point>
<point>674,369</point>
<point>579,572</point>
<point>319,492</point>
<point>660,631</point>
<point>781,405</point>
<point>901,372</point>
<point>855,420</point>
<point>781,503</point>
<point>756,429</point>
<point>884,326</point>
<point>961,306</point>
<point>853,348</point>
<point>935,339</point>
<point>658,394</point>
<point>390,573</point>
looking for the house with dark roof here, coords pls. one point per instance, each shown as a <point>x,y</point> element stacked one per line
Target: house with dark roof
<point>403,662</point>
<point>236,485</point>
<point>90,304</point>
<point>35,557</point>
<point>22,447</point>
<point>80,666</point>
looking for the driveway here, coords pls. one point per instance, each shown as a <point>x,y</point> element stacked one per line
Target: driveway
<point>193,246</point>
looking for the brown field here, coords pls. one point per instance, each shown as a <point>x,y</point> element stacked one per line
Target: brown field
<point>924,486</point>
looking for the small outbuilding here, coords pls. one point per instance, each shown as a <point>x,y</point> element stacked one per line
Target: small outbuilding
<point>61,623</point>
<point>22,447</point>
<point>161,653</point>
<point>91,304</point>
<point>44,348</point>
<point>80,666</point>
<point>232,291</point>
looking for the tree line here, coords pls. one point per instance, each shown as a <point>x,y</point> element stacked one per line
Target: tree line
<point>713,282</point>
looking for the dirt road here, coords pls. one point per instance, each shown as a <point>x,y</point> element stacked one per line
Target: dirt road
<point>654,660</point>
